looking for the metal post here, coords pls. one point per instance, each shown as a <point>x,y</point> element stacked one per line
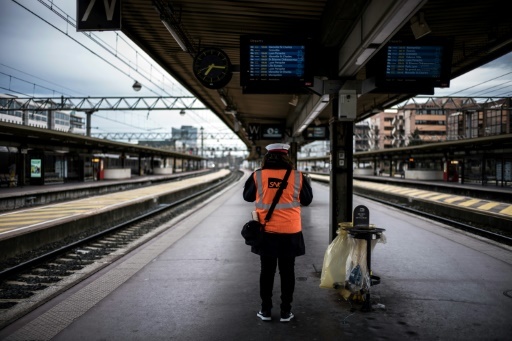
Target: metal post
<point>88,115</point>
<point>341,170</point>
<point>293,153</point>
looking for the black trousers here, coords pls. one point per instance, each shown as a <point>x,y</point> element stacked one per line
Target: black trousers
<point>287,274</point>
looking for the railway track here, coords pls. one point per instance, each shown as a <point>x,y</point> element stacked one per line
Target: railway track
<point>483,231</point>
<point>485,225</point>
<point>32,282</point>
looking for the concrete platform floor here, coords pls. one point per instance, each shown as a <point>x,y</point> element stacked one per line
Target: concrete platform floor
<point>199,281</point>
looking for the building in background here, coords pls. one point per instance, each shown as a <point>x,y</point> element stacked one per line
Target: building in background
<point>40,115</point>
<point>362,136</point>
<point>186,139</point>
<point>439,119</point>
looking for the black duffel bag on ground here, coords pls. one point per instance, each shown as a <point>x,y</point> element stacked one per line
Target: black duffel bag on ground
<point>253,230</point>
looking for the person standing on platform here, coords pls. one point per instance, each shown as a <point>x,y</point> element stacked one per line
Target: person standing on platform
<point>282,240</point>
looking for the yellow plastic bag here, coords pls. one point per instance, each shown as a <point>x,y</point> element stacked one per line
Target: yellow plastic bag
<point>334,269</point>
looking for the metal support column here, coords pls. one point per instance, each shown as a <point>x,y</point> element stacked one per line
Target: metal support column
<point>88,115</point>
<point>293,153</point>
<point>341,170</point>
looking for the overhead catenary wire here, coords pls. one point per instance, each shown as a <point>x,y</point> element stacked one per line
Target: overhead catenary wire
<point>78,42</point>
<point>113,51</point>
<point>474,86</point>
<point>496,87</point>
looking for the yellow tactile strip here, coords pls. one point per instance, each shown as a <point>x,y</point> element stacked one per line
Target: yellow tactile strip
<point>31,217</point>
<point>457,200</point>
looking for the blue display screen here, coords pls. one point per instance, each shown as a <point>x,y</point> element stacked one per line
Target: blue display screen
<point>405,66</point>
<point>275,62</point>
<point>414,61</point>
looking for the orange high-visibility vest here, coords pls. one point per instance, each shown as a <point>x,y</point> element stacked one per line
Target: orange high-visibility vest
<point>286,216</point>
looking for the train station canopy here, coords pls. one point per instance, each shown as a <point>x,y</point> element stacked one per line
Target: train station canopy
<point>343,38</point>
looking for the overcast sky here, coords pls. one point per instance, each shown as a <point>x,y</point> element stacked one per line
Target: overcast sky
<point>43,55</point>
<point>38,59</point>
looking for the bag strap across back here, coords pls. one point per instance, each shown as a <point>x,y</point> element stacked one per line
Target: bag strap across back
<point>280,190</point>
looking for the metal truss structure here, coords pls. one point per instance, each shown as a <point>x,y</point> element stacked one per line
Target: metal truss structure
<point>91,104</point>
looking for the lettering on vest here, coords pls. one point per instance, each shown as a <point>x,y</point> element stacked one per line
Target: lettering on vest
<point>274,183</point>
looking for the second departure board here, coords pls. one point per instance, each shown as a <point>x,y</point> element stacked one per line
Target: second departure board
<point>412,66</point>
<point>414,61</point>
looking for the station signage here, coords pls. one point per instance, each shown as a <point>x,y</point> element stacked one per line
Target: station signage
<point>266,132</point>
<point>361,216</point>
<point>98,15</point>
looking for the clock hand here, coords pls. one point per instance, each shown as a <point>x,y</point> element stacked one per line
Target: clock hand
<point>209,69</point>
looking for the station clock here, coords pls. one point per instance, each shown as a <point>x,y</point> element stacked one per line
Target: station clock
<point>212,68</point>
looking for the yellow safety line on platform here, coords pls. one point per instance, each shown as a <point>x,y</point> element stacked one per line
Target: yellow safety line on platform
<point>426,195</point>
<point>18,220</point>
<point>507,211</point>
<point>416,193</point>
<point>469,202</point>
<point>441,198</point>
<point>488,206</point>
<point>453,199</point>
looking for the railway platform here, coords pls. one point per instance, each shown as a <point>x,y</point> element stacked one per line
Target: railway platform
<point>24,230</point>
<point>199,281</point>
<point>12,198</point>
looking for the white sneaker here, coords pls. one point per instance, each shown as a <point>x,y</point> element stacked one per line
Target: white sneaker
<point>286,317</point>
<point>264,315</point>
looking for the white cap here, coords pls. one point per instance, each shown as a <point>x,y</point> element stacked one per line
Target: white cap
<point>278,148</point>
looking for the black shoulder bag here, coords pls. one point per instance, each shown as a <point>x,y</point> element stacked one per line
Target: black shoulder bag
<point>253,230</point>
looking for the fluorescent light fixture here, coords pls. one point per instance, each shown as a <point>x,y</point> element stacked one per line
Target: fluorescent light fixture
<point>361,59</point>
<point>175,35</point>
<point>317,109</point>
<point>223,100</point>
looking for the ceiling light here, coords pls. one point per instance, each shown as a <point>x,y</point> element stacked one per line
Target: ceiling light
<point>182,112</point>
<point>175,35</point>
<point>137,86</point>
<point>367,53</point>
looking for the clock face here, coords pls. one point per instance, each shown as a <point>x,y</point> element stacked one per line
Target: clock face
<point>212,68</point>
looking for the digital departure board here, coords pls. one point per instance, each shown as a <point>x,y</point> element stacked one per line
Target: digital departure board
<point>414,61</point>
<point>275,63</point>
<point>411,66</point>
